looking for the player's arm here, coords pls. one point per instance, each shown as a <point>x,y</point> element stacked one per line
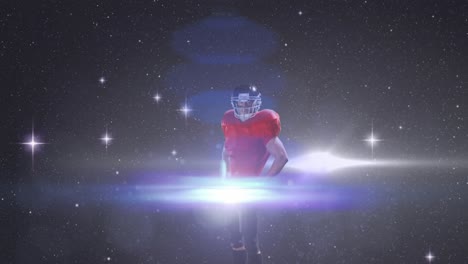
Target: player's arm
<point>276,149</point>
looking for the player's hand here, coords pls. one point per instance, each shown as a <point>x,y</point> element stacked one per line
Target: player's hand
<point>223,170</point>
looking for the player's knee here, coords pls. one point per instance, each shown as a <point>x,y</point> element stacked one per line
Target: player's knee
<point>237,246</point>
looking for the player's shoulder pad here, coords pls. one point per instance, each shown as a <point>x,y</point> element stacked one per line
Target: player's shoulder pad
<point>268,114</point>
<point>227,117</point>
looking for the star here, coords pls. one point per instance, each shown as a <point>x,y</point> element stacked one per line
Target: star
<point>32,143</point>
<point>106,139</point>
<point>185,109</point>
<point>157,97</point>
<point>174,152</point>
<point>429,256</point>
<point>102,80</point>
<point>372,140</point>
<point>77,205</point>
<point>299,13</point>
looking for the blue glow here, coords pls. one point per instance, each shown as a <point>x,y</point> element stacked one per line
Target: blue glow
<point>225,40</point>
<point>189,78</point>
<point>178,192</point>
<point>252,190</point>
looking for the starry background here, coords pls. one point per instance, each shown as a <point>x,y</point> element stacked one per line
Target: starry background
<point>333,70</point>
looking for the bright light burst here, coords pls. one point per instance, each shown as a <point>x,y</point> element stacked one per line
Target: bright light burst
<point>228,195</point>
<point>320,162</point>
<point>430,257</point>
<point>200,190</point>
<point>185,110</point>
<point>157,97</point>
<point>372,140</point>
<point>32,143</point>
<point>106,139</point>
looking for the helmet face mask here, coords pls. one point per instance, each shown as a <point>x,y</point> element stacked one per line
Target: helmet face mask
<point>246,105</point>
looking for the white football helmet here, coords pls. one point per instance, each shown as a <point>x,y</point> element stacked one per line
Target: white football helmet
<point>246,102</point>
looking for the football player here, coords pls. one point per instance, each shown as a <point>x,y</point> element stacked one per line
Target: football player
<point>251,137</point>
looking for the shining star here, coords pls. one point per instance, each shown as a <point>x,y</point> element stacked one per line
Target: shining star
<point>185,110</point>
<point>106,139</point>
<point>174,152</point>
<point>33,143</point>
<point>157,98</point>
<point>372,140</point>
<point>429,256</point>
<point>102,80</point>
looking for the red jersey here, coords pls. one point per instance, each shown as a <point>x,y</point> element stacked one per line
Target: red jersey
<point>245,142</point>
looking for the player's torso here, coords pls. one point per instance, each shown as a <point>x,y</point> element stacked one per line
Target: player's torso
<point>244,144</point>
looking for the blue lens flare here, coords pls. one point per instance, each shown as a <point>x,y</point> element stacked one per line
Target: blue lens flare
<point>196,192</point>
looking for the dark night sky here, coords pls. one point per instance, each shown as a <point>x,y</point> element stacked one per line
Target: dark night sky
<point>331,69</point>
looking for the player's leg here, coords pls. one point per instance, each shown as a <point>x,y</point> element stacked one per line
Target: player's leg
<point>238,250</point>
<point>249,220</point>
